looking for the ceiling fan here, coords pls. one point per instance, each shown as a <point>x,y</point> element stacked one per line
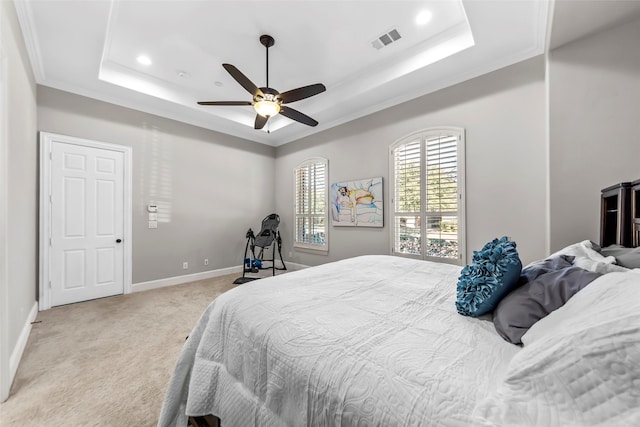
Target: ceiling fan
<point>267,101</point>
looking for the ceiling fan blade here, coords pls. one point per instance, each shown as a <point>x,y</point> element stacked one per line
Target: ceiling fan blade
<point>242,79</point>
<point>260,121</point>
<point>294,95</point>
<point>297,116</point>
<point>225,103</point>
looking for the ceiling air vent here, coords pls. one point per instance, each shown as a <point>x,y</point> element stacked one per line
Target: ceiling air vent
<point>386,39</point>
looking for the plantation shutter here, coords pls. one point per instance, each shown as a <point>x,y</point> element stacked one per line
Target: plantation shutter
<point>427,196</point>
<point>442,196</point>
<point>310,204</point>
<point>407,199</point>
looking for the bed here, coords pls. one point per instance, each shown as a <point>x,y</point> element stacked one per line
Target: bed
<point>378,341</point>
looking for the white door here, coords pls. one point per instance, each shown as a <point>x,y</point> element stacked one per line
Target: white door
<point>87,223</point>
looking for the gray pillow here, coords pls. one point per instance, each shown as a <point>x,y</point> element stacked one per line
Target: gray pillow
<point>524,306</point>
<point>626,257</point>
<point>532,271</point>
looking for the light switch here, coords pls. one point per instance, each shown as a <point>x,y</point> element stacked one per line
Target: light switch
<point>153,216</point>
<point>152,207</point>
<point>153,224</point>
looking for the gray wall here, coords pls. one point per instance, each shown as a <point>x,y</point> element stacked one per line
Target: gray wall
<point>504,116</point>
<point>19,117</point>
<point>594,109</point>
<point>209,187</point>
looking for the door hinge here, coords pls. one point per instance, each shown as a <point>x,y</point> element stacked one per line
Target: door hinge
<point>50,155</point>
<point>50,244</point>
<point>49,284</point>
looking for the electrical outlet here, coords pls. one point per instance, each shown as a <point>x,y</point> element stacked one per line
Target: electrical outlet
<point>185,265</point>
<point>206,261</point>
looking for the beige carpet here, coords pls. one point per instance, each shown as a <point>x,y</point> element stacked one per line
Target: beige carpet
<point>106,362</point>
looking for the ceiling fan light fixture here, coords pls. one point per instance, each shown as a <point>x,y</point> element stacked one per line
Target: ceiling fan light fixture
<point>266,108</point>
<point>267,101</point>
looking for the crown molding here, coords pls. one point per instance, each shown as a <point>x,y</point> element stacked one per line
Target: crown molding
<point>30,35</point>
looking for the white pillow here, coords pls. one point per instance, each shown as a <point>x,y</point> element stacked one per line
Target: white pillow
<point>584,250</point>
<point>597,266</point>
<point>609,296</point>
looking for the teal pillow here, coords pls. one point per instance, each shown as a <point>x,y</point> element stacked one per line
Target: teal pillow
<point>494,272</point>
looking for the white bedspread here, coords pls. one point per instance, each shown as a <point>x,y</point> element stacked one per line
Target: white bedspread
<point>373,340</point>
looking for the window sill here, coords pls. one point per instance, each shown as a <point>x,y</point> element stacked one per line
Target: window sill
<point>311,249</point>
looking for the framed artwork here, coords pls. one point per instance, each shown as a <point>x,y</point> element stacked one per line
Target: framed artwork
<point>357,203</point>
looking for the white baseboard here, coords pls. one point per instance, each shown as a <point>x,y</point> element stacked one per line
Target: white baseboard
<point>21,344</point>
<point>294,266</point>
<point>177,280</point>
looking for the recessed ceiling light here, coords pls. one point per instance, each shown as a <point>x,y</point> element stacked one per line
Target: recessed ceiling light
<point>218,83</point>
<point>423,17</point>
<point>144,60</point>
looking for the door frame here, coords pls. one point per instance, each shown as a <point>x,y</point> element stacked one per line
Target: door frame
<point>46,141</point>
<point>5,365</point>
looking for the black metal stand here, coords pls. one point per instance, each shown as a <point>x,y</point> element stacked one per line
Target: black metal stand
<point>253,264</point>
<point>250,268</point>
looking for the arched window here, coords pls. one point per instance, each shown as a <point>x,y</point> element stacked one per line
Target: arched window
<point>427,195</point>
<point>311,178</point>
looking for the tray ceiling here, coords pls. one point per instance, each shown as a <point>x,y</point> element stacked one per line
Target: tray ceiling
<point>91,48</point>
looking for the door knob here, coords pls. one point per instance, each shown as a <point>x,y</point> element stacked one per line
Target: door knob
<point>118,240</point>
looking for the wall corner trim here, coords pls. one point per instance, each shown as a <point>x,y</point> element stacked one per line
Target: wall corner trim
<point>21,344</point>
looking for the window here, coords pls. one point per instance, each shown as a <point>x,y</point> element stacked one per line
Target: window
<point>311,205</point>
<point>427,178</point>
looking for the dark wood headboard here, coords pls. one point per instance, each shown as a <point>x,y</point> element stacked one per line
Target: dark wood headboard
<point>620,215</point>
<point>635,213</point>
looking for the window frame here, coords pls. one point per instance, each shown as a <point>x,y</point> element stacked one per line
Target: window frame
<point>311,247</point>
<point>423,136</point>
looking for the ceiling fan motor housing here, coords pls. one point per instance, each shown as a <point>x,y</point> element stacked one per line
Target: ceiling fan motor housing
<point>269,95</point>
